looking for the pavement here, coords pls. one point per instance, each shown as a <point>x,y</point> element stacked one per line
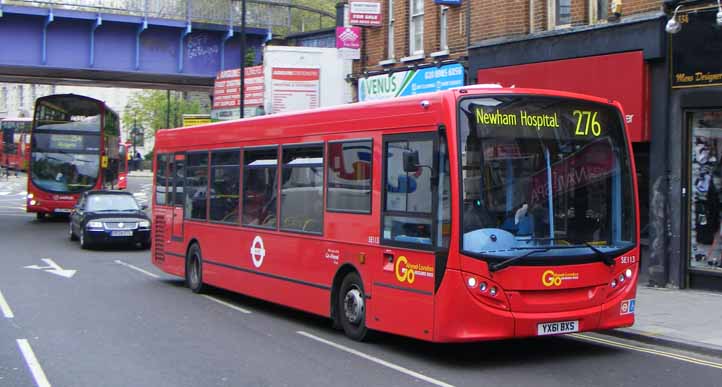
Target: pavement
<point>685,319</point>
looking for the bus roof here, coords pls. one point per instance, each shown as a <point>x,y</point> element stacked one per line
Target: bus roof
<point>411,111</point>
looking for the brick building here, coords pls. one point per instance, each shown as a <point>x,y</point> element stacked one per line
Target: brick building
<point>668,77</point>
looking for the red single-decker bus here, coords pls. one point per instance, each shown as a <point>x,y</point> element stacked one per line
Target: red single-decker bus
<point>462,215</point>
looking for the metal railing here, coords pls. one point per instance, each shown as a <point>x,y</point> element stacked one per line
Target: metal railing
<point>282,16</point>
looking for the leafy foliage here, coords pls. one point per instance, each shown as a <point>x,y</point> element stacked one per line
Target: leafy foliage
<point>151,110</point>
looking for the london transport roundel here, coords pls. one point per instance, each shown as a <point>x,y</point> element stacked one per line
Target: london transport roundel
<point>258,252</point>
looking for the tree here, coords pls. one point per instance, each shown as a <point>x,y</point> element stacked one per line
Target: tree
<point>151,110</point>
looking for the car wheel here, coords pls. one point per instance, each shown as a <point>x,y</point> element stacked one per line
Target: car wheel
<point>351,307</point>
<point>194,269</point>
<point>73,237</point>
<point>84,244</point>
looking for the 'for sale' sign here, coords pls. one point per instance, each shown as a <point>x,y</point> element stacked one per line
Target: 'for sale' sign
<point>365,13</point>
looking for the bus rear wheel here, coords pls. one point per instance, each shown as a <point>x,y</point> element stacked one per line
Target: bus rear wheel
<point>351,307</point>
<point>194,269</point>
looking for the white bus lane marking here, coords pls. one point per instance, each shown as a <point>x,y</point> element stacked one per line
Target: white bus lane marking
<point>136,268</point>
<point>224,303</point>
<point>40,379</point>
<point>7,312</point>
<point>377,360</point>
<point>53,268</point>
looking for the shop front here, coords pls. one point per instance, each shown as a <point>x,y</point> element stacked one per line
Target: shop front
<point>696,109</point>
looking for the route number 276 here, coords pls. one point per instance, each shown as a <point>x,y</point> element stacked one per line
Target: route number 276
<point>587,120</point>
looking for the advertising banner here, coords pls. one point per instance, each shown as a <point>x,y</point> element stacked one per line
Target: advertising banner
<point>411,82</point>
<point>226,98</point>
<point>365,13</point>
<point>294,89</point>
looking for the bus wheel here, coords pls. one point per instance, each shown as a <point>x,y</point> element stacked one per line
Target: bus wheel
<point>194,269</point>
<point>39,215</point>
<point>351,307</point>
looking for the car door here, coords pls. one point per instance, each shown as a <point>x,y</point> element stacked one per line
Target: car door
<point>76,215</point>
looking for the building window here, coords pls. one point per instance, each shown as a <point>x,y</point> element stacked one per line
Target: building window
<point>196,185</point>
<point>225,185</point>
<point>4,99</point>
<point>416,27</point>
<point>560,13</point>
<point>598,11</point>
<point>349,176</point>
<point>259,187</point>
<point>390,36</point>
<point>443,27</point>
<point>302,189</point>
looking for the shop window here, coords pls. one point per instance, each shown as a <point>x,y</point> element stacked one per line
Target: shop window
<point>706,187</point>
<point>302,189</point>
<point>349,176</point>
<point>225,185</point>
<point>259,187</point>
<point>196,185</point>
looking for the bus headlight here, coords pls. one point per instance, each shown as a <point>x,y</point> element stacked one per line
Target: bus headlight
<point>30,196</point>
<point>33,202</point>
<point>628,273</point>
<point>144,224</point>
<point>471,281</point>
<point>95,224</point>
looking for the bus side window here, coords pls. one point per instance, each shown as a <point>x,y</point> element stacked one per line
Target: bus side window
<point>302,189</point>
<point>161,178</point>
<point>408,199</point>
<point>349,167</point>
<point>196,185</point>
<point>225,185</point>
<point>260,168</point>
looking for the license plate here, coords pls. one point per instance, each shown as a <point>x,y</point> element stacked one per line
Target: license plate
<point>121,233</point>
<point>555,328</point>
<point>63,210</point>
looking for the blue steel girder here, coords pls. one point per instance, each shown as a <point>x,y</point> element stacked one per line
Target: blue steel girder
<point>60,46</point>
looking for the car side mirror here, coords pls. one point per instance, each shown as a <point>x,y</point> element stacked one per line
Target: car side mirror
<point>144,207</point>
<point>411,161</point>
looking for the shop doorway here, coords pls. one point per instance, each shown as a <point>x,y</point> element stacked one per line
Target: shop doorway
<point>704,201</point>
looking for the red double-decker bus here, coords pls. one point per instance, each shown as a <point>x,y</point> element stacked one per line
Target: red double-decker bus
<point>15,145</point>
<point>462,215</point>
<point>123,157</point>
<point>74,148</point>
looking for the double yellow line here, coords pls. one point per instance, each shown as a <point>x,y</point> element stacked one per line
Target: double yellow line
<point>670,355</point>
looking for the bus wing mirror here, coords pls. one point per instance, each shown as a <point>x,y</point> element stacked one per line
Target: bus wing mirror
<point>411,161</point>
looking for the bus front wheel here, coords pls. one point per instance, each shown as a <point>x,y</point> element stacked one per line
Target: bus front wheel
<point>351,307</point>
<point>194,269</point>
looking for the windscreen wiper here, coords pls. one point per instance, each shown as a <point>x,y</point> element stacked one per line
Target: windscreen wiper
<point>607,258</point>
<point>500,265</point>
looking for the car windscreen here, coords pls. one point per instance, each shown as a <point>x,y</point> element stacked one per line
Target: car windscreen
<point>111,202</point>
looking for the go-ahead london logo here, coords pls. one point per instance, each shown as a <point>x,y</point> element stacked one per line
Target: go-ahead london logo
<point>258,252</point>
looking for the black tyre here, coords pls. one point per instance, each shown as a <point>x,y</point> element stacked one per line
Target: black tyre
<point>39,215</point>
<point>72,235</point>
<point>351,307</point>
<point>194,269</point>
<point>84,244</point>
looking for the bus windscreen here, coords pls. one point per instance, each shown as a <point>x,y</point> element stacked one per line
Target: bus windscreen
<point>544,177</point>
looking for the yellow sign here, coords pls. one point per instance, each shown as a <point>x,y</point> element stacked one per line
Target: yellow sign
<point>104,162</point>
<point>407,272</point>
<point>537,121</point>
<point>590,120</point>
<point>196,119</point>
<point>550,278</point>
